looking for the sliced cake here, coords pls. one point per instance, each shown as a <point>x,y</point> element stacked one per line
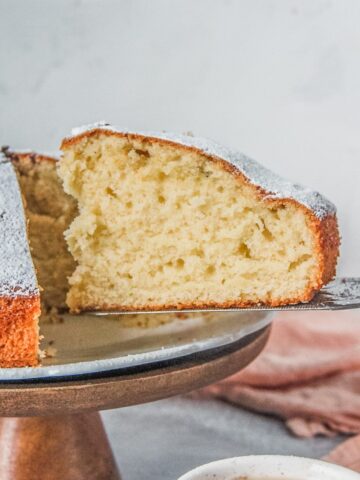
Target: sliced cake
<point>169,221</point>
<point>19,292</point>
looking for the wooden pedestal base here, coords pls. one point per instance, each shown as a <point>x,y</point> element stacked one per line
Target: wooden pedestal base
<point>56,448</point>
<point>70,443</point>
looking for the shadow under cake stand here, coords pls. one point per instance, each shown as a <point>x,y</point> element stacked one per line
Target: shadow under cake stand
<point>51,428</point>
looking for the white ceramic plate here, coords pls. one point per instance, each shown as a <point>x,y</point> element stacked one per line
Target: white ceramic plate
<point>270,467</point>
<point>88,345</point>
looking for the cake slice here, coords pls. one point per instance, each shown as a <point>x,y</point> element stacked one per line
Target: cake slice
<point>171,221</point>
<point>19,292</point>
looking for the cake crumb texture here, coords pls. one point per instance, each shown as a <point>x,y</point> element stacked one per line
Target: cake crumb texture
<point>49,211</point>
<point>164,224</point>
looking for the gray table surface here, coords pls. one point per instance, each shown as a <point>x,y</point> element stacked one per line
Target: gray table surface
<point>165,439</point>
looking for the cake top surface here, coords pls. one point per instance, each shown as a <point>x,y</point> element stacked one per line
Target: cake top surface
<point>17,273</point>
<point>24,152</point>
<point>275,186</point>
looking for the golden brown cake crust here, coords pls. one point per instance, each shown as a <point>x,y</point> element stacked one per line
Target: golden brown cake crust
<point>324,226</point>
<point>19,336</point>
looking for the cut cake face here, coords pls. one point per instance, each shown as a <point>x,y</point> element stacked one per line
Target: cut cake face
<point>49,211</point>
<point>168,221</point>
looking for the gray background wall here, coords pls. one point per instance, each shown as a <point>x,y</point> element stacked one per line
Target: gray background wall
<point>279,79</point>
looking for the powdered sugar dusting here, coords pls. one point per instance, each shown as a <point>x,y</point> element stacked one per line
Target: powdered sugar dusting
<point>17,274</point>
<point>276,186</point>
<point>341,293</point>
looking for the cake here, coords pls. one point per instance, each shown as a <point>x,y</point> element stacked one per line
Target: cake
<point>19,291</point>
<point>151,221</point>
<point>49,211</point>
<point>172,221</point>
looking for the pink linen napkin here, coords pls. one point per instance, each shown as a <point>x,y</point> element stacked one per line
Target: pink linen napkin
<point>309,375</point>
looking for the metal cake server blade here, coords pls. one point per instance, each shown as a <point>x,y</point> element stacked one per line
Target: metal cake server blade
<point>340,294</point>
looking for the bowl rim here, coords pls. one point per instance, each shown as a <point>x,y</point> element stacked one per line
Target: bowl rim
<point>287,466</point>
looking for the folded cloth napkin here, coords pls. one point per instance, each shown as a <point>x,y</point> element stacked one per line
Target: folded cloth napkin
<point>309,375</point>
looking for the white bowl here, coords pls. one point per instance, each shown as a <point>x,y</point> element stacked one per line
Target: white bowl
<point>270,467</point>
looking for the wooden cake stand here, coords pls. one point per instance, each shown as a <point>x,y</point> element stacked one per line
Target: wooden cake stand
<point>51,428</point>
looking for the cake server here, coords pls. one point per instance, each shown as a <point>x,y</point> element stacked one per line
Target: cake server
<point>341,294</point>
